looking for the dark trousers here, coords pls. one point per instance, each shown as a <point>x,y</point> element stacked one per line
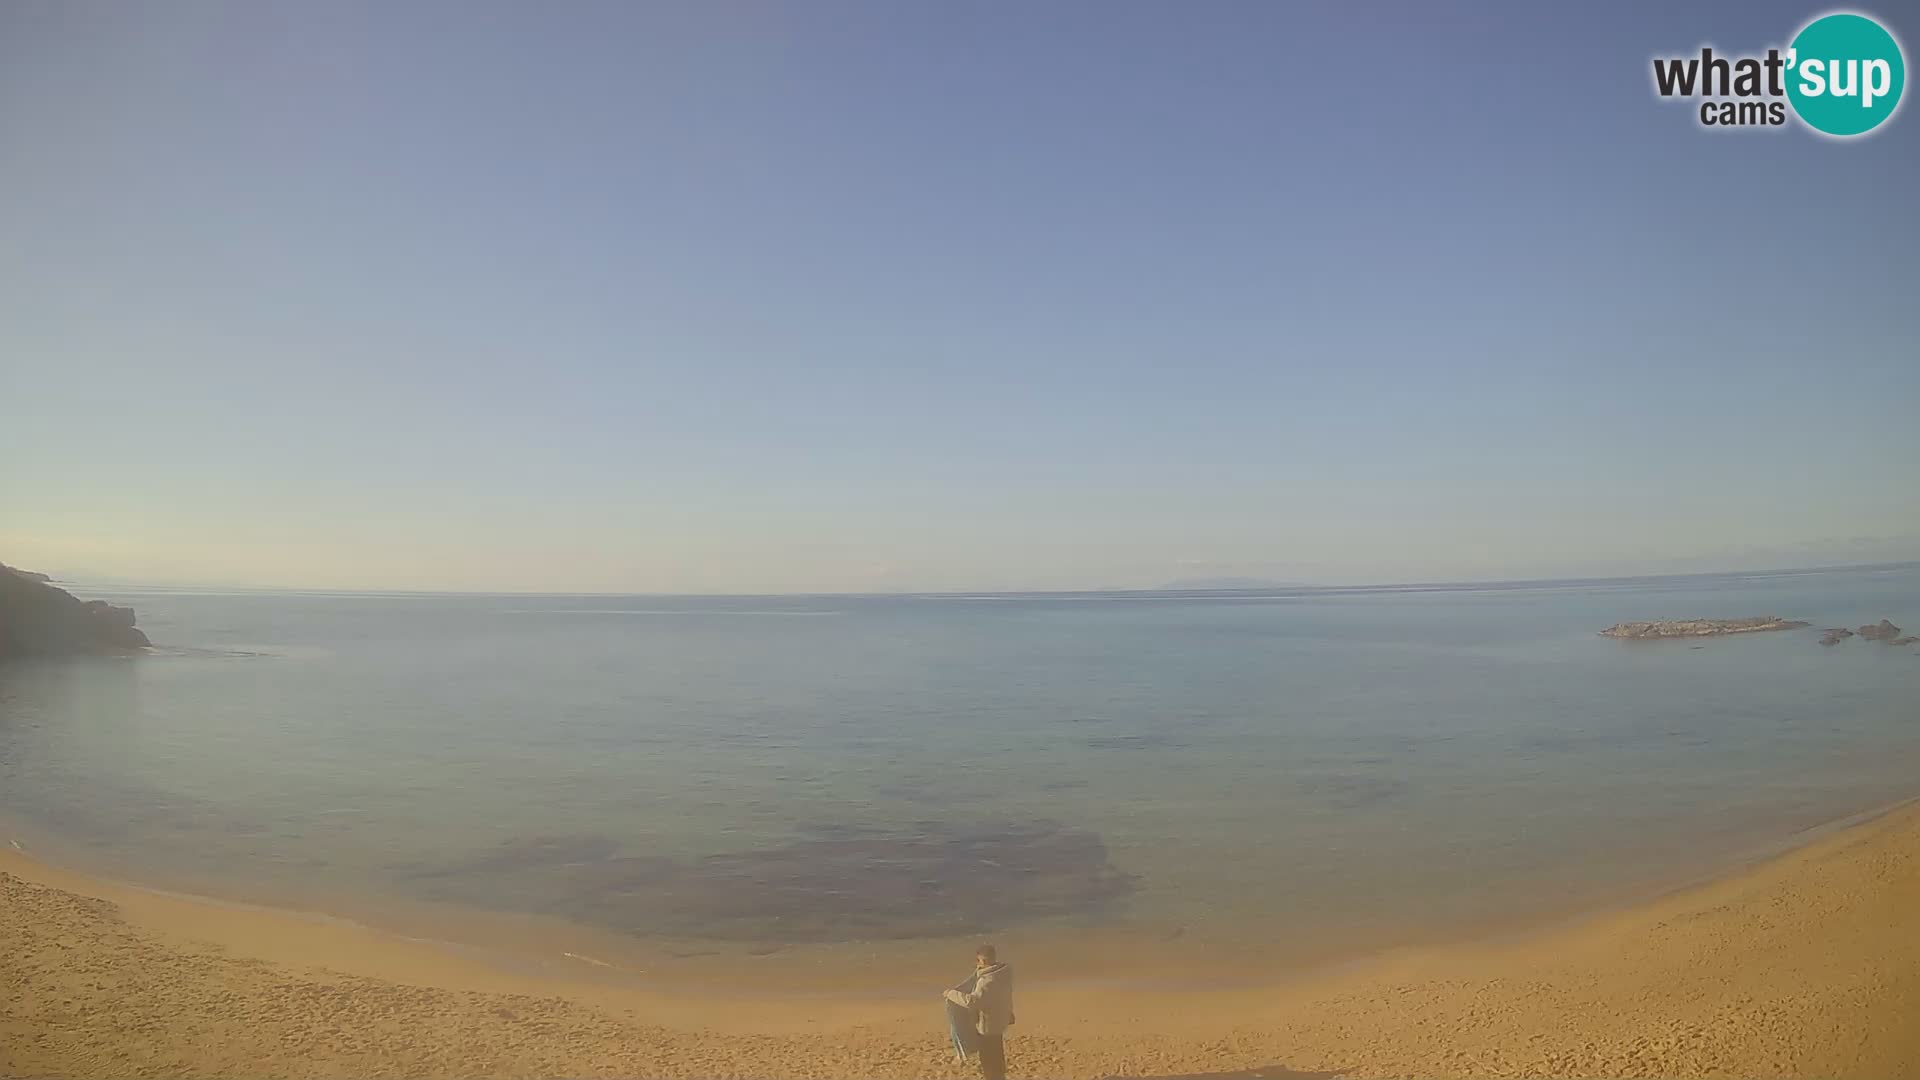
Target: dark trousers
<point>993,1057</point>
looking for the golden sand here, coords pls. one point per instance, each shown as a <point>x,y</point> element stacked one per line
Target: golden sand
<point>1808,965</point>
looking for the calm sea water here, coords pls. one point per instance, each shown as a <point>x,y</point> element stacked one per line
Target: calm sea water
<point>830,769</point>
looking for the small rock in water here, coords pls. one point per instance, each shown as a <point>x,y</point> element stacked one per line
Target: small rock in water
<point>1908,640</point>
<point>1835,635</point>
<point>1885,631</point>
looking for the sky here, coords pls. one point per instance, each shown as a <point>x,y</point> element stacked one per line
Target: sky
<point>868,297</point>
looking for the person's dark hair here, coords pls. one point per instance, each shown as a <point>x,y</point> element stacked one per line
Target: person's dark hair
<point>985,952</point>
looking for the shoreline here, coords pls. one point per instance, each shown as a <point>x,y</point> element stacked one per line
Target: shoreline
<point>568,952</point>
<point>1806,963</point>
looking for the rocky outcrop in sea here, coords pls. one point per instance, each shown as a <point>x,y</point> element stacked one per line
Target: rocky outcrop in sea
<point>1883,630</point>
<point>1685,628</point>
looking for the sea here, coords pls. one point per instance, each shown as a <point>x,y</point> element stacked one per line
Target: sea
<point>1239,773</point>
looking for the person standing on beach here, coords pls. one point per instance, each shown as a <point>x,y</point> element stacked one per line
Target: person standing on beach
<point>991,1002</point>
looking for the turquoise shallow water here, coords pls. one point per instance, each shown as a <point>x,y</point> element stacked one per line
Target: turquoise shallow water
<point>830,769</point>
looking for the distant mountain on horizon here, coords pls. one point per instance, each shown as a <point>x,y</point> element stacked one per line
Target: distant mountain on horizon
<point>1192,584</point>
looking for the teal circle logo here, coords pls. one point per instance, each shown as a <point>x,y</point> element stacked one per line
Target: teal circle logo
<point>1845,74</point>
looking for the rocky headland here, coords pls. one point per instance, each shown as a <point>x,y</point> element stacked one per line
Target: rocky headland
<point>1691,628</point>
<point>37,619</point>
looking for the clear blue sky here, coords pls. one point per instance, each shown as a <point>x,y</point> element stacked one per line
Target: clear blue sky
<point>833,296</point>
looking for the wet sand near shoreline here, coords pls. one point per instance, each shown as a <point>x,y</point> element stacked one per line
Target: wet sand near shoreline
<point>1806,965</point>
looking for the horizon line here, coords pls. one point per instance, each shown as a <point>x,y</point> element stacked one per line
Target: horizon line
<point>1382,586</point>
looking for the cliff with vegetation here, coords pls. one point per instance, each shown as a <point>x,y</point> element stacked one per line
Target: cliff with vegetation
<point>37,619</point>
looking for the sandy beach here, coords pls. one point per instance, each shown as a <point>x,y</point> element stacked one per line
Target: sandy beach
<point>1806,965</point>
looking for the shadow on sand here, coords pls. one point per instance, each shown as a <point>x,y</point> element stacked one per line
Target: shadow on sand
<point>1260,1073</point>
